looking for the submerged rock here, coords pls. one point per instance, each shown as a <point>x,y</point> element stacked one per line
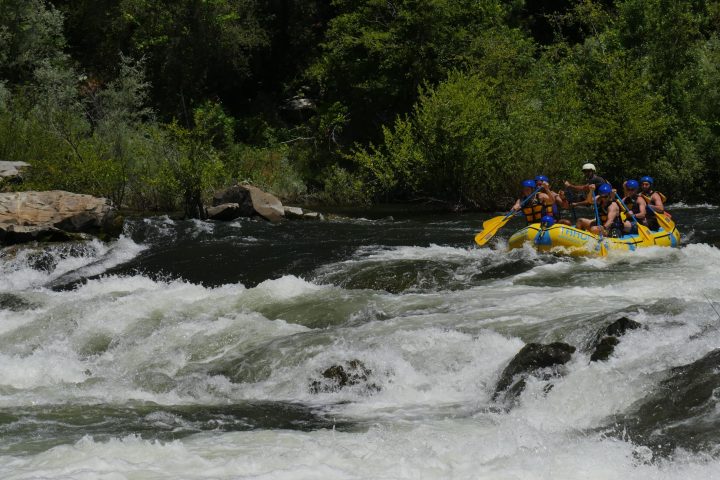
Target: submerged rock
<point>681,412</point>
<point>533,359</point>
<point>54,216</point>
<point>606,338</point>
<point>9,301</point>
<point>337,377</point>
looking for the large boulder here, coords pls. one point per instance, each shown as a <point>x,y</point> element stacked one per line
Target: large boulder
<point>54,215</point>
<point>265,204</point>
<point>533,359</point>
<point>250,200</point>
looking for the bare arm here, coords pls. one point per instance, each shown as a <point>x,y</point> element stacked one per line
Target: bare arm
<point>613,212</point>
<point>588,198</point>
<point>657,203</point>
<point>642,206</point>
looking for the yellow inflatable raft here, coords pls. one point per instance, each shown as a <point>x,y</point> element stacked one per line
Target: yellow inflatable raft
<point>574,241</point>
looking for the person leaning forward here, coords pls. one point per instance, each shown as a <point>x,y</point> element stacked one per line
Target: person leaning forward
<point>533,209</point>
<point>592,182</point>
<point>611,224</point>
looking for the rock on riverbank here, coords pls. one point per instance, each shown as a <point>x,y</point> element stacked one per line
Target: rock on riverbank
<point>54,216</point>
<point>247,201</point>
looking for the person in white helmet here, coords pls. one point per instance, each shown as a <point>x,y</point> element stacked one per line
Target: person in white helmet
<point>592,182</point>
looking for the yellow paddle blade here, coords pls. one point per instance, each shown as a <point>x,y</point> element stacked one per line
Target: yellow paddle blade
<point>645,234</point>
<point>667,224</point>
<point>490,228</point>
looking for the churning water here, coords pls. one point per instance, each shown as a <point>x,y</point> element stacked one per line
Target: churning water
<point>194,350</point>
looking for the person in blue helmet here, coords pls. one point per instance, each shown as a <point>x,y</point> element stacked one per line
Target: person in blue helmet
<point>654,199</point>
<point>611,224</point>
<point>635,202</point>
<point>534,209</point>
<point>558,198</point>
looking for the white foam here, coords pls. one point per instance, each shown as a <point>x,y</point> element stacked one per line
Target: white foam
<point>96,258</point>
<point>450,449</point>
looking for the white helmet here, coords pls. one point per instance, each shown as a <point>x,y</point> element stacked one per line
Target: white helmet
<point>588,166</point>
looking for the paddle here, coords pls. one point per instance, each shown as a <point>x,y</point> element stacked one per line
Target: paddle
<point>662,220</point>
<point>642,229</point>
<point>601,245</point>
<point>490,227</point>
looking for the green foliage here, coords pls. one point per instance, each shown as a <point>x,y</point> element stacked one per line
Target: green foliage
<point>377,53</point>
<point>31,35</point>
<point>267,167</point>
<point>344,188</point>
<point>191,46</point>
<point>447,100</point>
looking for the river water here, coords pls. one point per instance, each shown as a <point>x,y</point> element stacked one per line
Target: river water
<point>189,349</point>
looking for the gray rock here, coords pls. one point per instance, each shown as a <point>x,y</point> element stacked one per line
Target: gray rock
<point>337,377</point>
<point>313,216</point>
<point>293,212</point>
<point>225,212</point>
<point>54,216</point>
<point>606,339</point>
<point>12,169</point>
<point>533,359</point>
<point>251,201</point>
<point>266,205</point>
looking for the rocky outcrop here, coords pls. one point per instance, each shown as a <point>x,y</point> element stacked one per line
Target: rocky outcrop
<point>606,338</point>
<point>534,359</point>
<point>12,170</point>
<point>54,216</point>
<point>247,201</point>
<point>337,377</point>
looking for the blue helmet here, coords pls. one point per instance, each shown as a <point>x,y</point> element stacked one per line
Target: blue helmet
<point>547,221</point>
<point>542,178</point>
<point>632,185</point>
<point>647,179</point>
<point>528,183</point>
<point>605,189</point>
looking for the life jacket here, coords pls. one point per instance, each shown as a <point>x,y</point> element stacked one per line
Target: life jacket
<point>631,203</point>
<point>647,197</point>
<point>603,214</point>
<point>535,209</point>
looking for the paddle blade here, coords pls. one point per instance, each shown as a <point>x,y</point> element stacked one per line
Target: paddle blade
<point>490,228</point>
<point>645,234</point>
<point>667,224</point>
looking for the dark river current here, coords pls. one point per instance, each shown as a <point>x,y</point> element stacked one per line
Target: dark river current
<point>191,349</point>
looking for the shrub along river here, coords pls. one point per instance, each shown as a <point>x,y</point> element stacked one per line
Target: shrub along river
<point>191,349</point>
